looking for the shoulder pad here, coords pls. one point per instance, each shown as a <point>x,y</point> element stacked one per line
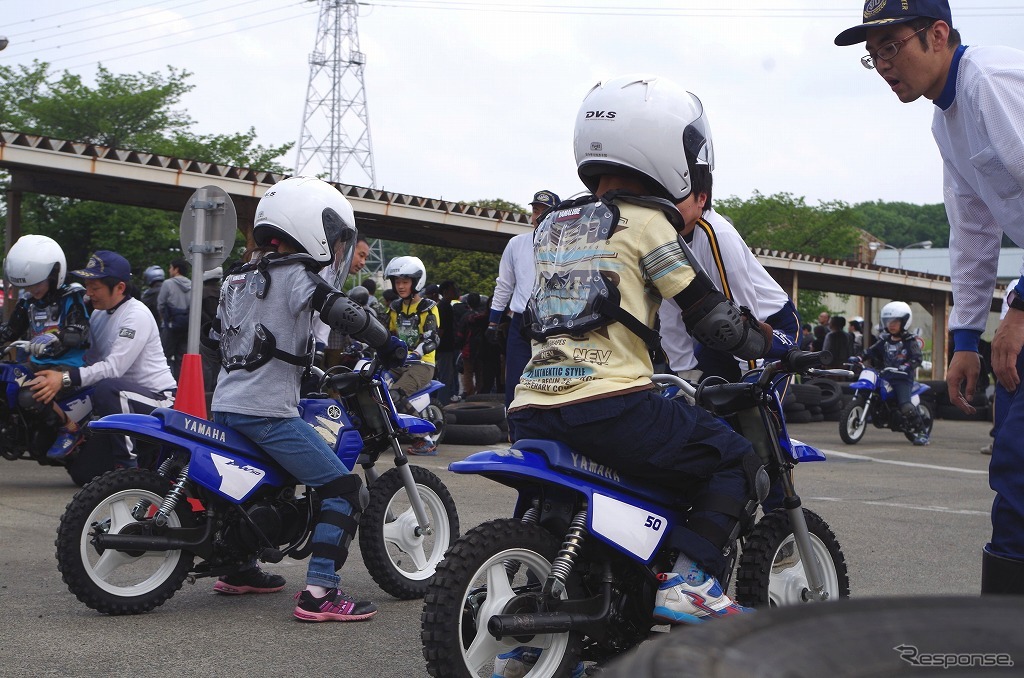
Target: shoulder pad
<point>72,289</point>
<point>425,305</point>
<point>396,305</point>
<point>301,257</point>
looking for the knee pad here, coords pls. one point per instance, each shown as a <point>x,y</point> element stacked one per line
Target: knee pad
<point>739,512</point>
<point>350,488</point>
<point>908,410</point>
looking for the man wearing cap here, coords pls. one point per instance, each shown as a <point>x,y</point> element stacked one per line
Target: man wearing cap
<point>978,125</point>
<point>512,290</point>
<point>125,362</point>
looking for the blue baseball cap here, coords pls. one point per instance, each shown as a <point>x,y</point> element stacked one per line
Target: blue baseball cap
<point>105,264</point>
<point>878,13</point>
<point>546,198</point>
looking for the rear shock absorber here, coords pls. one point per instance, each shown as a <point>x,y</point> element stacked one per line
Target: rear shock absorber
<point>562,566</point>
<point>532,515</point>
<point>172,498</point>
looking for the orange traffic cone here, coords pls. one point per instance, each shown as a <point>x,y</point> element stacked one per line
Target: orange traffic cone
<point>191,398</point>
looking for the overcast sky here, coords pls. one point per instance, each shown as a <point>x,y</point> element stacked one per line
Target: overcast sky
<point>476,99</point>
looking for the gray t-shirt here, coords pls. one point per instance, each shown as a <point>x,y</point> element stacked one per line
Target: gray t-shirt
<point>271,390</point>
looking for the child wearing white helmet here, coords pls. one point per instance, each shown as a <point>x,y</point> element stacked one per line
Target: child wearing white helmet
<point>900,349</point>
<point>414,319</point>
<point>55,317</point>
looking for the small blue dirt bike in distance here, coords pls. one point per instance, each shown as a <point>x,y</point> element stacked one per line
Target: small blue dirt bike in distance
<point>874,401</point>
<point>129,539</point>
<point>573,571</point>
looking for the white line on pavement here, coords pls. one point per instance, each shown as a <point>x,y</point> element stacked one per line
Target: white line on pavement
<point>937,509</point>
<point>862,457</point>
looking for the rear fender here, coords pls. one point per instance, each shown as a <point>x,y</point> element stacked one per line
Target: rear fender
<point>628,524</point>
<point>224,472</point>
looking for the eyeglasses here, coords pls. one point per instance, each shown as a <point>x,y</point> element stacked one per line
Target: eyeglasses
<point>888,51</point>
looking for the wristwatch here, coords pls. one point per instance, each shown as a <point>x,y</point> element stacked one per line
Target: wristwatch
<point>1014,300</point>
<point>65,380</point>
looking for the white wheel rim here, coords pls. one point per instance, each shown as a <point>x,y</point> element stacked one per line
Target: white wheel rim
<point>416,555</point>
<point>854,426</point>
<point>787,578</point>
<point>480,654</point>
<point>119,573</point>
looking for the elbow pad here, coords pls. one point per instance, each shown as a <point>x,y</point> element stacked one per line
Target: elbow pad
<point>348,317</point>
<point>716,322</point>
<point>429,343</point>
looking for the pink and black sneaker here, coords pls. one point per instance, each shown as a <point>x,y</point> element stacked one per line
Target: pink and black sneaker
<point>335,606</point>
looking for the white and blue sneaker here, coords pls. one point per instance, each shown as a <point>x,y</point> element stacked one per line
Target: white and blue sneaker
<point>680,603</point>
<point>518,662</point>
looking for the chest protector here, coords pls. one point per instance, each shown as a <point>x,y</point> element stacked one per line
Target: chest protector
<point>47,314</point>
<point>572,296</point>
<point>408,324</point>
<point>245,342</point>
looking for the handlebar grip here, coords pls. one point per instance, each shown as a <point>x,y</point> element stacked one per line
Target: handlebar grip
<point>799,361</point>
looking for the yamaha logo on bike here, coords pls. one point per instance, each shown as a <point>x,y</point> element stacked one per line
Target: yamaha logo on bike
<point>204,429</point>
<point>334,412</point>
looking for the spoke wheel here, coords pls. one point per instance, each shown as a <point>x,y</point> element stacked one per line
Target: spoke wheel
<point>111,581</point>
<point>771,572</point>
<point>401,556</point>
<point>851,428</point>
<point>483,575</point>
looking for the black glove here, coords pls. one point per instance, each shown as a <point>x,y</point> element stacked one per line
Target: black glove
<point>491,334</point>
<point>393,353</point>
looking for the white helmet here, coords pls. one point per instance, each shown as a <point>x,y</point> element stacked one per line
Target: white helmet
<point>33,259</point>
<point>407,267</point>
<point>310,213</point>
<point>896,310</point>
<point>643,123</point>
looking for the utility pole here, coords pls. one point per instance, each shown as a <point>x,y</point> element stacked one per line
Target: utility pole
<point>335,125</point>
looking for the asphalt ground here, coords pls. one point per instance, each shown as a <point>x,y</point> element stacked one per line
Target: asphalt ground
<point>911,521</point>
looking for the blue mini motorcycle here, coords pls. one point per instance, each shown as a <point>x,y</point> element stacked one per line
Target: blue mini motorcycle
<point>573,572</point>
<point>874,401</point>
<point>27,429</point>
<point>130,538</point>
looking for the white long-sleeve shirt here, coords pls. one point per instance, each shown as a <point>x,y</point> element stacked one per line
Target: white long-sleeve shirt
<point>979,128</point>
<point>516,275</point>
<point>125,343</point>
<point>719,249</point>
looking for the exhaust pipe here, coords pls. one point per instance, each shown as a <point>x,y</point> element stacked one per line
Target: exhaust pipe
<point>540,623</point>
<point>183,539</point>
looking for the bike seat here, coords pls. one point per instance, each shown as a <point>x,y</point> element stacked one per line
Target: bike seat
<point>207,432</point>
<point>564,458</point>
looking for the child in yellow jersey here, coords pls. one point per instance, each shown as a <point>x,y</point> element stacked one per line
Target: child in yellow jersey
<point>413,319</point>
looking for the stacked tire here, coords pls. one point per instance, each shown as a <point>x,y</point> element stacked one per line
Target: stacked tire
<point>477,420</point>
<point>815,400</point>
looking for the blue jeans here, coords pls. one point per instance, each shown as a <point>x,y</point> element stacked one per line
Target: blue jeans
<point>303,453</point>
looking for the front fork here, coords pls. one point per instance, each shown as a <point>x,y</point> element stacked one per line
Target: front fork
<point>866,410</point>
<point>802,537</point>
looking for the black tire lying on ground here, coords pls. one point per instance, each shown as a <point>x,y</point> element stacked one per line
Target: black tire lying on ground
<point>474,434</point>
<point>897,636</point>
<point>485,398</point>
<point>476,412</point>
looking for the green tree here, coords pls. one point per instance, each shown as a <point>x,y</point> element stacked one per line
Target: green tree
<point>901,223</point>
<point>135,111</point>
<point>788,223</point>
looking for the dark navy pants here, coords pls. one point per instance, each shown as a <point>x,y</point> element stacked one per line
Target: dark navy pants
<point>667,441</point>
<point>1006,472</point>
<point>123,396</point>
<point>517,355</point>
